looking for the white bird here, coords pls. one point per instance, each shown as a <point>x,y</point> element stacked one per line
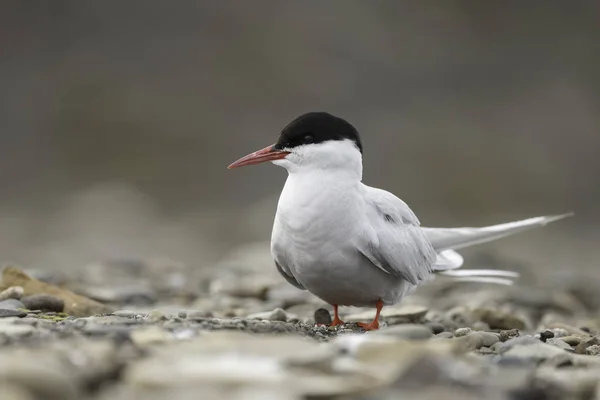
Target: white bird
<point>351,244</point>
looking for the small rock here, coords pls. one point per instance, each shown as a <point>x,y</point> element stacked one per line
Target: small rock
<point>322,317</point>
<point>509,334</point>
<point>12,313</point>
<point>43,302</point>
<point>584,344</point>
<point>472,341</point>
<point>559,343</point>
<point>12,304</point>
<point>276,315</point>
<point>445,335</point>
<point>499,320</point>
<point>407,332</point>
<point>593,350</point>
<point>182,314</point>
<point>530,349</point>
<point>13,292</point>
<point>435,327</point>
<point>462,332</point>
<point>544,336</point>
<point>489,338</point>
<point>571,340</point>
<point>156,316</point>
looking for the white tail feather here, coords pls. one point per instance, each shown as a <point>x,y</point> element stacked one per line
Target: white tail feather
<point>498,281</point>
<point>446,240</point>
<point>481,272</point>
<point>457,238</point>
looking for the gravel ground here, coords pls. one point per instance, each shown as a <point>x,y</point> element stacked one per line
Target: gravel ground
<point>158,330</point>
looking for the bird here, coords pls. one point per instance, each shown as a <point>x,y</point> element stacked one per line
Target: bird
<point>350,244</point>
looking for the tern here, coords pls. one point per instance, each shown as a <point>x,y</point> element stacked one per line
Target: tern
<point>350,244</point>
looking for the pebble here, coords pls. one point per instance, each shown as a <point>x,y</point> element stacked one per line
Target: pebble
<point>508,334</point>
<point>406,331</point>
<point>11,304</point>
<point>6,313</point>
<point>276,315</point>
<point>544,336</point>
<point>593,350</point>
<point>435,327</point>
<point>472,341</point>
<point>584,344</point>
<point>156,316</point>
<point>13,292</point>
<point>322,317</point>
<point>499,320</point>
<point>559,343</point>
<point>462,332</point>
<point>445,335</point>
<point>43,302</point>
<point>571,340</point>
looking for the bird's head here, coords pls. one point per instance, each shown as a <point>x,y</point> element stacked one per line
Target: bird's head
<point>313,141</point>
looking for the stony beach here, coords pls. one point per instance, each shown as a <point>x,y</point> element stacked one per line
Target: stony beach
<point>156,329</point>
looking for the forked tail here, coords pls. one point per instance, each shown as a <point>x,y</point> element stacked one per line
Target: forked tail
<point>446,240</point>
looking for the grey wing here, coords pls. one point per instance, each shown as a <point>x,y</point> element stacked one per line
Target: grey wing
<point>395,242</point>
<point>288,276</point>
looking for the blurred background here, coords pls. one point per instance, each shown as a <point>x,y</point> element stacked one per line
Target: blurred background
<point>118,119</point>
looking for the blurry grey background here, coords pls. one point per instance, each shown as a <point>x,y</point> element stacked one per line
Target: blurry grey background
<point>118,119</point>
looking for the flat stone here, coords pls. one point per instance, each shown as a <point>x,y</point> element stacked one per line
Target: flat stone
<point>43,302</point>
<point>573,340</point>
<point>11,304</point>
<point>12,313</point>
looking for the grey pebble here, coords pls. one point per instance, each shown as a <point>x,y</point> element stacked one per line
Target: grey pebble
<point>322,317</point>
<point>489,338</point>
<point>472,341</point>
<point>4,313</point>
<point>182,314</point>
<point>435,327</point>
<point>11,304</point>
<point>43,302</point>
<point>445,335</point>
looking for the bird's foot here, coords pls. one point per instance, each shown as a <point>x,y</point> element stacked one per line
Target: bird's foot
<point>371,326</point>
<point>336,322</point>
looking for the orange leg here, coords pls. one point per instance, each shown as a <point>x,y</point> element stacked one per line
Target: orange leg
<point>336,318</point>
<point>373,325</point>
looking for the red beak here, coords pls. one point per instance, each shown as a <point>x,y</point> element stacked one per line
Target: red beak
<point>260,156</point>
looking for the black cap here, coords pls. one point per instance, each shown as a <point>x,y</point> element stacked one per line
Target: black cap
<point>316,127</point>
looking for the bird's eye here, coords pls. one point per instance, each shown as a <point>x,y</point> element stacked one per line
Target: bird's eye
<point>308,138</point>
